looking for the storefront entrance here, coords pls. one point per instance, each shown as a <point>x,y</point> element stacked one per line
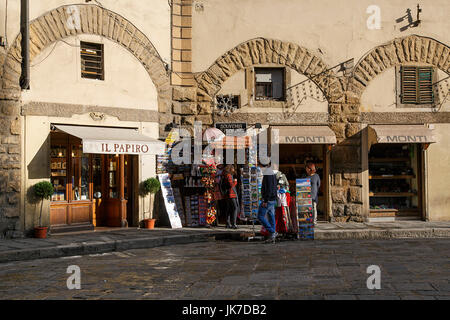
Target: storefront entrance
<point>90,189</point>
<point>395,180</point>
<point>397,170</point>
<point>297,146</point>
<point>94,171</point>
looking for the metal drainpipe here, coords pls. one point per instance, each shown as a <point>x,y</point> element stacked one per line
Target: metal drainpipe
<point>25,31</point>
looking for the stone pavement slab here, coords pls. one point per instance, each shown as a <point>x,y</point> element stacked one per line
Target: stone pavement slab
<point>107,240</point>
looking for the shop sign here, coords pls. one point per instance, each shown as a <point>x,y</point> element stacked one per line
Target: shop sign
<point>236,127</point>
<point>402,138</point>
<point>305,139</point>
<point>112,147</point>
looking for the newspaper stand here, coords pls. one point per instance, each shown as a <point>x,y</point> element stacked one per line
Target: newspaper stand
<point>304,209</point>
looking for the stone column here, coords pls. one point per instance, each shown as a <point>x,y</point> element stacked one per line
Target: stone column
<point>346,160</point>
<point>10,165</point>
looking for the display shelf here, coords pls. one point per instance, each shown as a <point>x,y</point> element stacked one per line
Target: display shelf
<point>385,177</point>
<point>392,194</point>
<point>389,159</point>
<point>301,165</point>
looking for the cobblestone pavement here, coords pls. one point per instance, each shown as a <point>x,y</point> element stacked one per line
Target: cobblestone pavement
<point>410,269</point>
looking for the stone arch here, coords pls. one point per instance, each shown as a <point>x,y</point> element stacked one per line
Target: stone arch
<point>260,51</point>
<point>95,20</point>
<point>407,49</point>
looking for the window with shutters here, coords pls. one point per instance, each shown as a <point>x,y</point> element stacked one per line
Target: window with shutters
<point>92,61</point>
<point>269,84</point>
<point>416,85</point>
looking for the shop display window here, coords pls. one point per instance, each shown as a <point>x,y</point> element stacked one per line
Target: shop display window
<point>112,164</point>
<point>70,169</point>
<point>58,169</point>
<point>393,178</point>
<point>80,174</point>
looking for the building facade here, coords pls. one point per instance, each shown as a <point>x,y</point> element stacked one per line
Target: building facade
<point>372,78</point>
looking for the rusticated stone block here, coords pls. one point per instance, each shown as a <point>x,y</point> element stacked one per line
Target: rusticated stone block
<point>13,199</point>
<point>189,120</point>
<point>15,126</point>
<point>11,212</point>
<point>184,94</point>
<point>353,118</point>
<point>335,109</point>
<point>352,129</point>
<point>14,181</point>
<point>337,179</point>
<point>339,129</point>
<point>9,108</point>
<point>350,109</point>
<point>338,210</point>
<point>345,157</point>
<point>353,209</point>
<point>184,108</point>
<point>204,108</point>
<point>355,195</point>
<point>13,150</point>
<point>338,195</point>
<point>205,119</point>
<point>2,149</point>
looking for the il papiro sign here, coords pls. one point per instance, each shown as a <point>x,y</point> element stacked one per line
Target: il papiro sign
<point>119,147</point>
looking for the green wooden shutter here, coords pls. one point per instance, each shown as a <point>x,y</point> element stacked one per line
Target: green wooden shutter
<point>425,85</point>
<point>416,85</point>
<point>409,85</point>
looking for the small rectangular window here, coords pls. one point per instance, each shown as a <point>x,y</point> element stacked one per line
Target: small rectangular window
<point>269,84</point>
<point>92,62</point>
<point>416,85</point>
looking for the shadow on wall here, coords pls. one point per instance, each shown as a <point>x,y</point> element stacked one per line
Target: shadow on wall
<point>39,167</point>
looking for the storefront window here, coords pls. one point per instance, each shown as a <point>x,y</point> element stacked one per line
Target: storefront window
<point>394,179</point>
<point>58,168</point>
<point>112,177</point>
<point>80,174</point>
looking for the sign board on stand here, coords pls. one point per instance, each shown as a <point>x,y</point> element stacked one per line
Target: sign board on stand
<point>169,201</point>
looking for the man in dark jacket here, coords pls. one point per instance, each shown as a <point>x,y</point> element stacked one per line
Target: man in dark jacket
<point>269,202</point>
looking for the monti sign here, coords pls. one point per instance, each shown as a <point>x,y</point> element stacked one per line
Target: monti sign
<point>404,139</point>
<point>304,139</point>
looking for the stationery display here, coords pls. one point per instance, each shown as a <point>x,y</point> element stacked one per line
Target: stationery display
<point>304,209</point>
<point>188,212</point>
<point>202,210</point>
<point>169,200</point>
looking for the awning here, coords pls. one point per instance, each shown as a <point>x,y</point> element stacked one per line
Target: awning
<point>303,135</point>
<point>104,140</point>
<point>232,142</point>
<point>400,134</point>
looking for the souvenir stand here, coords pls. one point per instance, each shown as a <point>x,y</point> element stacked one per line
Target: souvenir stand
<point>193,186</point>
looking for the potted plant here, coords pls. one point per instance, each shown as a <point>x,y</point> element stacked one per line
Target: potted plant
<point>150,187</point>
<point>42,190</point>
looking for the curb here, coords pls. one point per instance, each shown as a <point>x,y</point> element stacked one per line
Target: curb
<point>95,247</point>
<point>372,234</point>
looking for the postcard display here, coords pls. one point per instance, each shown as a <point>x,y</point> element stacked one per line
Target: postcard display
<point>169,200</point>
<point>251,182</point>
<point>304,209</point>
